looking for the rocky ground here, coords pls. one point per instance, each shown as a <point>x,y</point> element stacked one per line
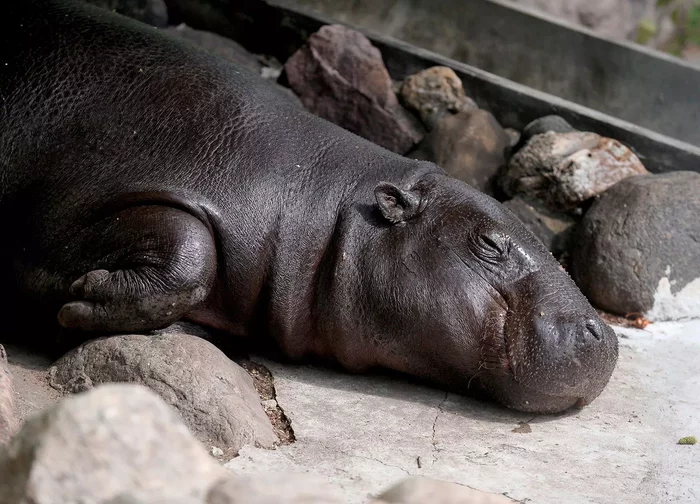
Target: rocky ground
<point>188,425</point>
<point>356,436</point>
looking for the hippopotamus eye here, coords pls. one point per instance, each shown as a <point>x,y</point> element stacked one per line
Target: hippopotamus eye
<point>495,245</point>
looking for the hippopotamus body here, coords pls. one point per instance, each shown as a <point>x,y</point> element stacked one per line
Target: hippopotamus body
<point>145,182</point>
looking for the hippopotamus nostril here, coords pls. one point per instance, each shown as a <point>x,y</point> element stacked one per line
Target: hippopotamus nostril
<point>596,329</point>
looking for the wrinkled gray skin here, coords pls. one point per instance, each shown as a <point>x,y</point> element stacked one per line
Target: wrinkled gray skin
<point>146,182</point>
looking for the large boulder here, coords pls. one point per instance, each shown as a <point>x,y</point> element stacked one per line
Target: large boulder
<point>214,396</point>
<point>638,247</point>
<point>565,170</point>
<point>434,92</point>
<point>116,443</point>
<point>420,490</point>
<point>153,12</point>
<point>469,145</point>
<point>340,76</point>
<point>8,420</point>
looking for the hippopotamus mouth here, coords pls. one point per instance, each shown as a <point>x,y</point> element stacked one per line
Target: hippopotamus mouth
<point>546,356</point>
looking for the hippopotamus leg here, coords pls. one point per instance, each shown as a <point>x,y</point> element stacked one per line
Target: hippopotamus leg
<point>149,266</point>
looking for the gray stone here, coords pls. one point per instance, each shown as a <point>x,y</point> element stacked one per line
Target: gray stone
<point>153,12</point>
<point>117,441</point>
<point>469,145</point>
<point>433,92</point>
<point>552,228</point>
<point>214,396</point>
<point>564,170</point>
<point>543,125</point>
<point>340,76</point>
<point>638,247</point>
<point>274,488</point>
<point>8,420</point>
<point>421,490</point>
<point>514,136</point>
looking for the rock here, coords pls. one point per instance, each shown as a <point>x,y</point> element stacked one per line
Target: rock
<point>433,92</point>
<point>420,490</point>
<point>227,48</point>
<point>638,247</point>
<point>153,12</point>
<point>564,170</point>
<point>543,125</point>
<point>274,488</point>
<point>552,228</point>
<point>214,396</point>
<point>128,498</point>
<point>340,76</point>
<point>115,442</point>
<point>8,420</point>
<point>470,146</point>
<point>514,136</point>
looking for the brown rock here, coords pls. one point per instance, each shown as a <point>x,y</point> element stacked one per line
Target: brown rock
<point>470,146</point>
<point>340,76</point>
<point>420,490</point>
<point>100,446</point>
<point>277,488</point>
<point>566,169</point>
<point>433,92</point>
<point>8,421</point>
<point>214,396</point>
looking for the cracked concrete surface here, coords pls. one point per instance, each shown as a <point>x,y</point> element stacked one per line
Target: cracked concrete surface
<point>436,450</point>
<point>365,433</point>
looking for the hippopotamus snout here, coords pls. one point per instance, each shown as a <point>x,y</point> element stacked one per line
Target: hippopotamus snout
<point>558,349</point>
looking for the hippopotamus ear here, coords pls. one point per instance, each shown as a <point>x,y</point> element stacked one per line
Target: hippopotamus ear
<point>395,204</point>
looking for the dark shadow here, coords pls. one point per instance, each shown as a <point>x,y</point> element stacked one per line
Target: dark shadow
<point>393,385</point>
<point>27,358</point>
<point>476,404</point>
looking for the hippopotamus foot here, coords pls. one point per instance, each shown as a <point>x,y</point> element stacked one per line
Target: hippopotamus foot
<point>156,264</point>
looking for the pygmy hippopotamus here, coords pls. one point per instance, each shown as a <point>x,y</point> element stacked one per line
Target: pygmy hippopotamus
<point>145,182</point>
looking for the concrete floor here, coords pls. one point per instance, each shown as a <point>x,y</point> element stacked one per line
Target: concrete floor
<point>365,433</point>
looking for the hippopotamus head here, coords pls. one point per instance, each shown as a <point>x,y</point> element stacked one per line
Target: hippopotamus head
<point>455,289</point>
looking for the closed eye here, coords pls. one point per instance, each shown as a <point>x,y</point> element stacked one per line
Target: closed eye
<point>492,243</point>
<point>495,244</point>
